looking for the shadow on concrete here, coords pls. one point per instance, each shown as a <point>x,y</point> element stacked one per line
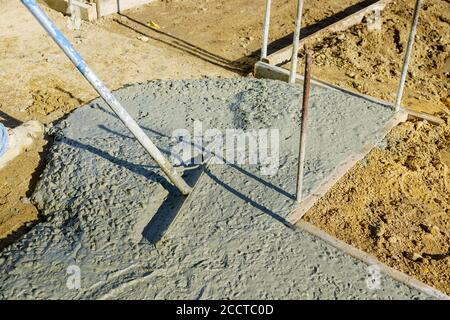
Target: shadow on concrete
<point>173,205</point>
<point>204,151</point>
<point>135,168</point>
<point>248,200</point>
<point>170,209</point>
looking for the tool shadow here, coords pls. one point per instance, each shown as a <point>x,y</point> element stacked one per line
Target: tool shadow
<point>158,226</point>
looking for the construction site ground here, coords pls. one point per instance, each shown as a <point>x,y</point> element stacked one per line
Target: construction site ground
<point>221,39</point>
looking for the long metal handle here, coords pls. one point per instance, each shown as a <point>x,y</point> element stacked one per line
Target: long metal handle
<point>115,105</point>
<point>408,52</point>
<point>296,42</point>
<point>265,37</point>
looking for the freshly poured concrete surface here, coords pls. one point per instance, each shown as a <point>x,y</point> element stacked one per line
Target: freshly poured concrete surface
<point>100,191</point>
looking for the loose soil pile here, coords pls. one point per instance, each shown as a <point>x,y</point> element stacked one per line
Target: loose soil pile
<point>17,213</point>
<point>370,62</point>
<point>395,204</point>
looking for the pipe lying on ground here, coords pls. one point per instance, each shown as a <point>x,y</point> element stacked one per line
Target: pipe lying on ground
<point>109,98</point>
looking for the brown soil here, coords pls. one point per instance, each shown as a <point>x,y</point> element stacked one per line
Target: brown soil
<point>395,204</point>
<point>370,62</point>
<point>17,179</point>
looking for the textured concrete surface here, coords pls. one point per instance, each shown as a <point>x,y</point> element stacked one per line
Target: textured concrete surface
<point>104,201</point>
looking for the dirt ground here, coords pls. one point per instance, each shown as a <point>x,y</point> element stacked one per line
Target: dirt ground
<point>395,204</point>
<point>370,62</point>
<point>195,39</point>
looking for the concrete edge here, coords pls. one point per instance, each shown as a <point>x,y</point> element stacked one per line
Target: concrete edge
<point>370,260</point>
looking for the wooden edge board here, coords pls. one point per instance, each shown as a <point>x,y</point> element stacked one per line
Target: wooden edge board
<point>341,170</point>
<point>370,260</point>
<point>88,11</point>
<point>284,55</point>
<point>424,116</point>
<point>107,7</point>
<point>268,71</point>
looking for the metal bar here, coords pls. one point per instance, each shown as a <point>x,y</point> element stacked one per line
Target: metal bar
<point>407,58</point>
<point>265,36</point>
<point>296,41</point>
<point>115,105</point>
<point>304,127</point>
<point>4,139</point>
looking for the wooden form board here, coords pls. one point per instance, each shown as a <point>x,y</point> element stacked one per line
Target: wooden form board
<point>268,71</point>
<point>284,55</point>
<point>107,7</point>
<point>370,260</point>
<point>88,11</point>
<point>96,9</point>
<point>265,70</point>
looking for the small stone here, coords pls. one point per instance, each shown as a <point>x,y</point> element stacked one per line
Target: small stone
<point>392,239</point>
<point>435,230</point>
<point>143,38</point>
<point>414,256</point>
<point>25,200</point>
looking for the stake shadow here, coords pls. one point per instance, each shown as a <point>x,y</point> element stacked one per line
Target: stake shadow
<point>247,199</point>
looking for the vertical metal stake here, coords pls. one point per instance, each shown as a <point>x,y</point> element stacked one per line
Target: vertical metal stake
<point>412,35</point>
<point>265,37</point>
<point>304,127</point>
<point>296,41</point>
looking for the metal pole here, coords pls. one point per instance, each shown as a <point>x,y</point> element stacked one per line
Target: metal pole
<point>296,41</point>
<point>115,105</point>
<point>265,37</point>
<point>304,127</point>
<point>408,52</point>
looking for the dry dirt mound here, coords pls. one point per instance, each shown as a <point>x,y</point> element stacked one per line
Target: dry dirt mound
<point>370,61</point>
<point>395,204</point>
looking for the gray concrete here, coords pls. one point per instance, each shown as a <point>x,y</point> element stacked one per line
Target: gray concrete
<point>104,201</point>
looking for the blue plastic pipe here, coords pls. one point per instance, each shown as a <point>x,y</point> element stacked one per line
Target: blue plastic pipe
<point>3,139</point>
<point>109,98</point>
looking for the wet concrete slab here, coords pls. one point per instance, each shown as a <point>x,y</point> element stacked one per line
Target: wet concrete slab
<point>105,203</point>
